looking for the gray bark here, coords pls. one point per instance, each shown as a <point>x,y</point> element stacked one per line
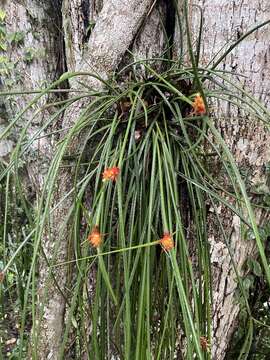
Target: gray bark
<point>99,49</point>
<point>33,63</point>
<point>114,30</point>
<point>247,138</point>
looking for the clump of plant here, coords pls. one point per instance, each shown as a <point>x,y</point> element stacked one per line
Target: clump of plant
<point>144,160</point>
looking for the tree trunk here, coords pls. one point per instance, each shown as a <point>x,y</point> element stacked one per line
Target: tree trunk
<point>100,55</point>
<point>92,37</point>
<point>34,59</point>
<point>247,138</point>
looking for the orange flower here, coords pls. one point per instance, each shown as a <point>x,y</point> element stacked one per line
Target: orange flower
<point>167,242</point>
<point>110,173</point>
<point>198,105</point>
<point>95,237</point>
<point>204,343</point>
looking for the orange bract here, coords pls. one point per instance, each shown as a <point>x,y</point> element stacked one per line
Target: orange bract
<point>110,173</point>
<point>204,343</point>
<point>167,242</point>
<point>95,237</point>
<point>198,105</point>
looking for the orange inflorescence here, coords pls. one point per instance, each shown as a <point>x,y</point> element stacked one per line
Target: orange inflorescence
<point>110,173</point>
<point>95,237</point>
<point>167,242</point>
<point>198,105</point>
<point>204,343</point>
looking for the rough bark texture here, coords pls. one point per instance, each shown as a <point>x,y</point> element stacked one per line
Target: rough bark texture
<point>34,62</point>
<point>114,30</point>
<point>79,19</point>
<point>37,61</point>
<point>150,42</point>
<point>97,43</point>
<point>246,137</point>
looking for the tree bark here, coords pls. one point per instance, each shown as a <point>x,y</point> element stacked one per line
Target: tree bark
<point>247,138</point>
<point>116,26</point>
<point>31,63</point>
<point>95,38</point>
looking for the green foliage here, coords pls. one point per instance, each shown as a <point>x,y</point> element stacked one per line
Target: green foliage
<point>89,28</point>
<point>16,38</point>
<point>28,55</point>
<point>2,15</point>
<point>8,40</point>
<point>257,291</point>
<point>3,46</point>
<point>146,299</point>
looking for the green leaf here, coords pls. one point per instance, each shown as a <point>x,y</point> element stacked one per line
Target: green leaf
<point>16,37</point>
<point>3,59</point>
<point>3,46</point>
<point>256,267</point>
<point>2,15</point>
<point>28,55</point>
<point>248,282</point>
